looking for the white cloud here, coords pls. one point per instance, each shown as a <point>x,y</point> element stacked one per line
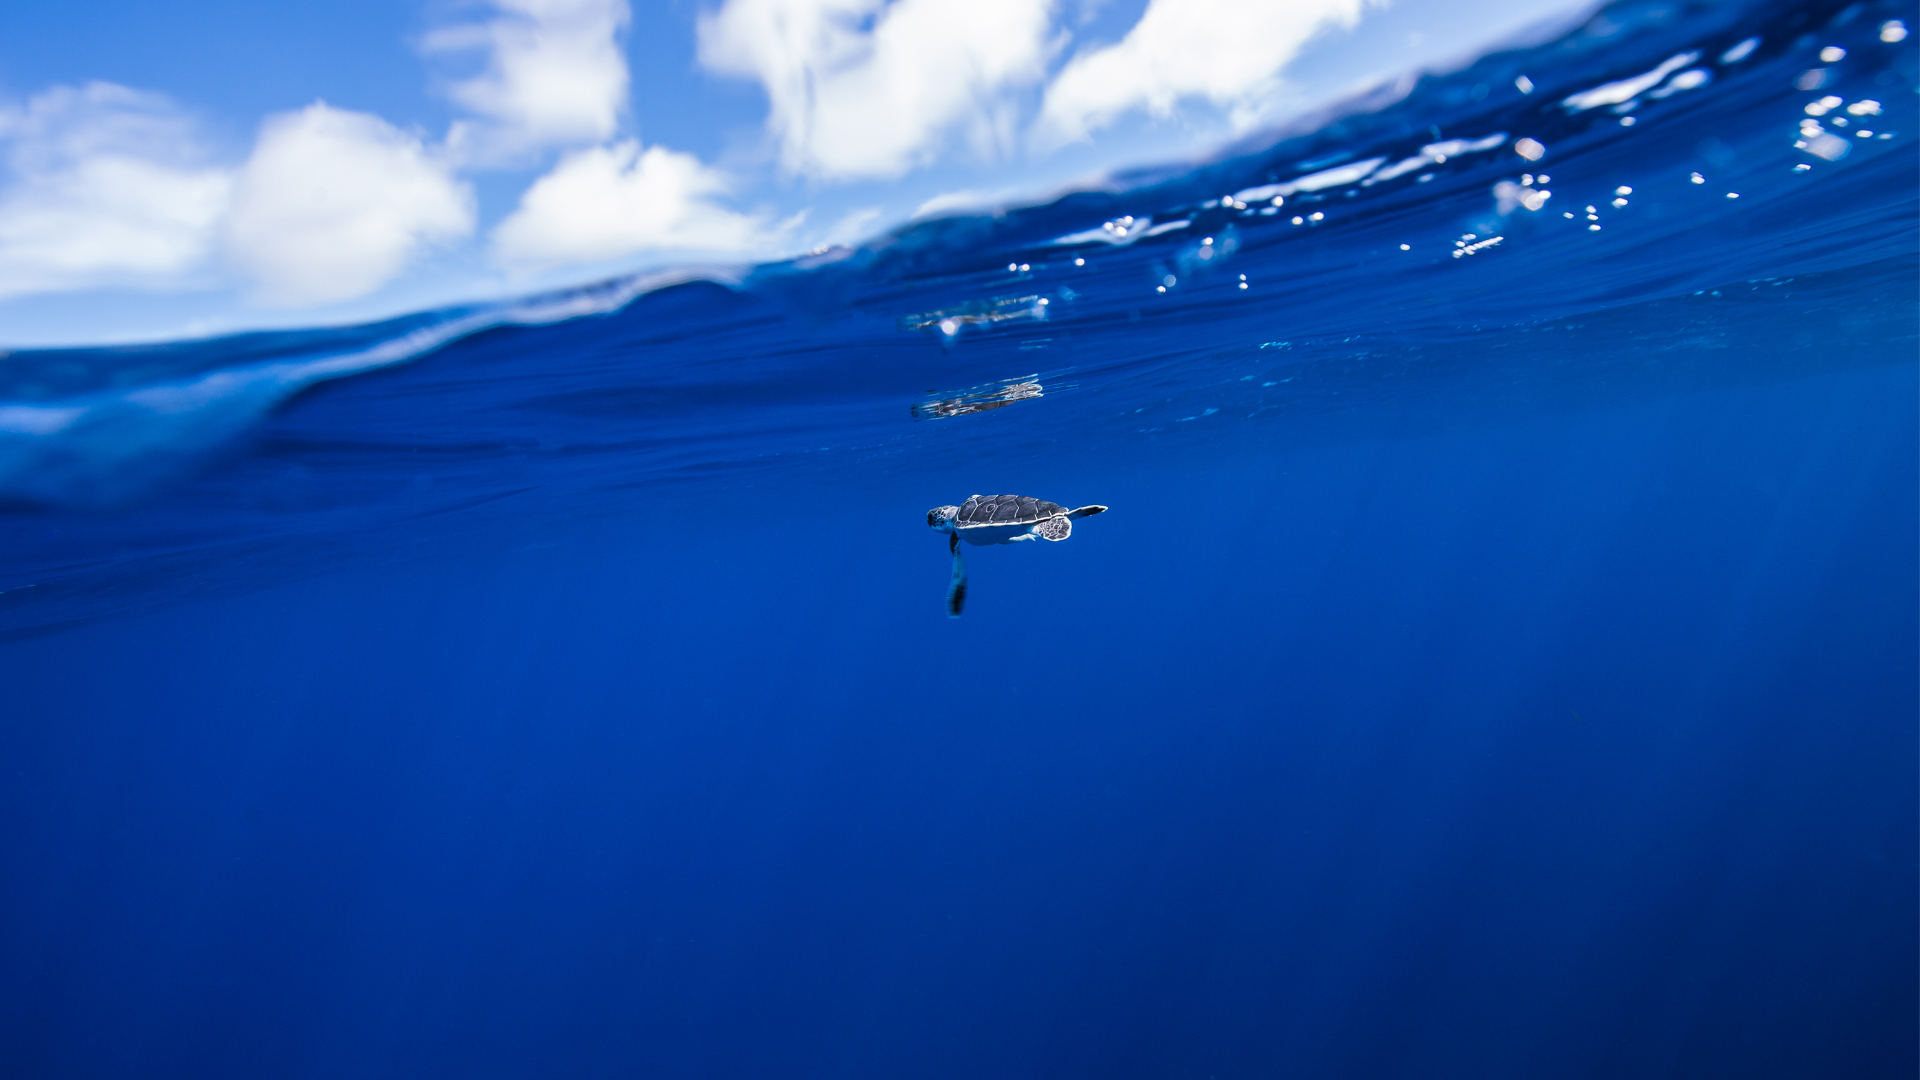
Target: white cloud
<point>863,88</point>
<point>608,202</point>
<point>333,204</point>
<point>1229,52</point>
<point>107,188</point>
<point>555,75</point>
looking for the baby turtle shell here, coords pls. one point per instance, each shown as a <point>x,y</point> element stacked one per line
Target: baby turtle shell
<point>1004,510</point>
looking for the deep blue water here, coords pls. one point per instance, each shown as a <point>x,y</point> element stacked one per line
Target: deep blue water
<point>1493,665</point>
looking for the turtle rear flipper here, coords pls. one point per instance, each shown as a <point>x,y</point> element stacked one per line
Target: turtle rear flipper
<point>1054,528</point>
<point>1087,511</point>
<point>957,588</point>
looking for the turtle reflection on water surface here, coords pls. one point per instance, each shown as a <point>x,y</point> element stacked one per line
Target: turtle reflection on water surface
<point>963,404</point>
<point>998,519</point>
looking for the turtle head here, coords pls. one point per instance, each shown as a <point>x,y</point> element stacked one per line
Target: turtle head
<point>940,518</point>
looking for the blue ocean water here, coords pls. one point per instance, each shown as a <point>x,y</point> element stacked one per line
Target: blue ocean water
<point>1499,659</point>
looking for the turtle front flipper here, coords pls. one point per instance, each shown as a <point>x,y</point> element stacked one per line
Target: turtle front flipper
<point>1087,511</point>
<point>1056,527</point>
<point>957,588</point>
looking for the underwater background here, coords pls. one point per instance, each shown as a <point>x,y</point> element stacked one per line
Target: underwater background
<point>1499,659</point>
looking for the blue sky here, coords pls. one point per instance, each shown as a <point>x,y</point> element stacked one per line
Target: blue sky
<point>205,165</point>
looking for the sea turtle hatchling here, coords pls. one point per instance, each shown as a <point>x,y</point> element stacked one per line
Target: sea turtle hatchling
<point>998,519</point>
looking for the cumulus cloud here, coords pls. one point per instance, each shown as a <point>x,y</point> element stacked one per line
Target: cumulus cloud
<point>332,204</point>
<point>608,202</point>
<point>862,88</point>
<point>107,187</point>
<point>554,75</point>
<point>1229,52</point>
